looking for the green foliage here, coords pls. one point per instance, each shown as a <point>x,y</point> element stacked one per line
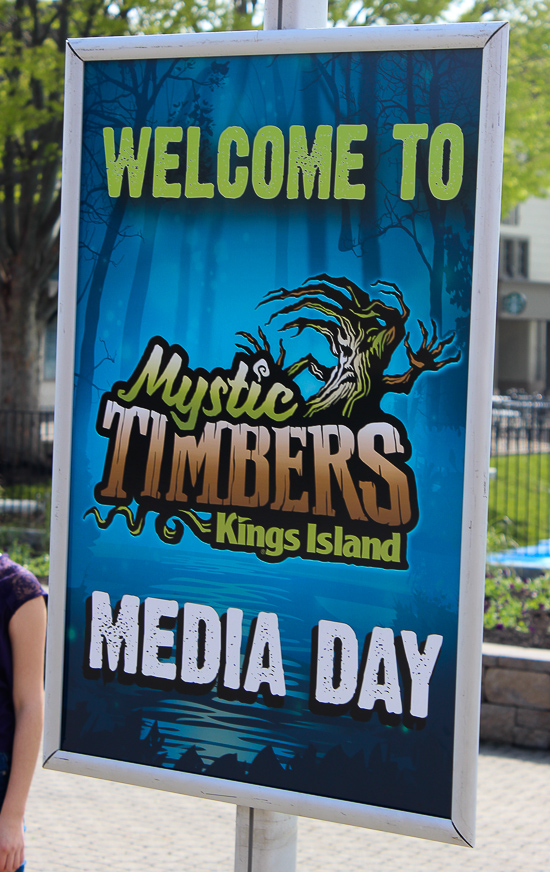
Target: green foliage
<point>526,153</point>
<point>32,49</point>
<point>498,538</point>
<point>37,490</point>
<point>32,57</point>
<point>512,602</point>
<point>33,36</point>
<point>38,562</point>
<point>387,11</point>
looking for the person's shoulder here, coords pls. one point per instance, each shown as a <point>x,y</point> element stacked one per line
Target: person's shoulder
<point>17,584</point>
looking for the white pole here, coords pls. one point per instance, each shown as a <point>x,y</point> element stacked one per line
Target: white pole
<point>295,14</point>
<point>265,841</point>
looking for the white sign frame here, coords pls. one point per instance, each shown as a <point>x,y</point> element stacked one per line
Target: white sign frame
<point>492,39</point>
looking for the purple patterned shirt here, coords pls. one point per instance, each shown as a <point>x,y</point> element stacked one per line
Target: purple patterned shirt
<point>17,586</point>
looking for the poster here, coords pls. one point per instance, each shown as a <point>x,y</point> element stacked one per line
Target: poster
<point>266,480</point>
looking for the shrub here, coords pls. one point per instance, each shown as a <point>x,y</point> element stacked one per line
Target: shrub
<point>516,603</point>
<point>517,610</point>
<point>37,562</point>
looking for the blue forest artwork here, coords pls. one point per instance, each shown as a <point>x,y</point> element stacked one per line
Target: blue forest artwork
<point>272,342</point>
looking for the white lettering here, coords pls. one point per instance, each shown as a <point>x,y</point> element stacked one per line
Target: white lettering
<point>332,636</point>
<point>233,638</point>
<point>200,666</point>
<point>421,667</point>
<point>381,651</point>
<point>124,629</point>
<point>265,664</point>
<point>155,638</point>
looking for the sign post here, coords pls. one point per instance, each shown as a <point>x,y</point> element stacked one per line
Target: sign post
<point>295,14</point>
<point>267,841</point>
<point>278,268</point>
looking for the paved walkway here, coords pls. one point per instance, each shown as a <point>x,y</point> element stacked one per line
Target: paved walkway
<point>85,825</point>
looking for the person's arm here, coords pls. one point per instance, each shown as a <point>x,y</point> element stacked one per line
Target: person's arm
<point>27,631</point>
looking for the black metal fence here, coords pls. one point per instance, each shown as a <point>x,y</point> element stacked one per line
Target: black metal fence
<point>26,442</point>
<point>519,493</point>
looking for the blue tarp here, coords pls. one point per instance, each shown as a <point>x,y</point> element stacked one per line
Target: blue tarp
<point>531,556</point>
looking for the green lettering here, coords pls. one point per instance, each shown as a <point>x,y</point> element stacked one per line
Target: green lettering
<point>324,543</point>
<point>149,377</point>
<point>165,161</point>
<point>452,134</point>
<point>275,393</point>
<point>255,536</point>
<point>370,548</point>
<point>409,134</point>
<point>218,386</point>
<point>264,189</point>
<point>135,167</point>
<point>319,160</point>
<point>352,547</point>
<point>391,549</point>
<point>194,188</point>
<point>239,384</point>
<point>292,540</point>
<point>224,528</point>
<point>347,161</point>
<point>232,190</point>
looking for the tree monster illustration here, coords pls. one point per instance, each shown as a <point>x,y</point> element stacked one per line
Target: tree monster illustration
<point>362,333</point>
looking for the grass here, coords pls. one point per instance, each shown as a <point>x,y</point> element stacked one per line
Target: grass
<point>519,497</point>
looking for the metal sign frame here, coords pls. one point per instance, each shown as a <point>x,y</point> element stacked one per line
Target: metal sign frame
<point>491,39</point>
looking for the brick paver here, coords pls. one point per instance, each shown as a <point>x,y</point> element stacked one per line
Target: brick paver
<point>86,825</point>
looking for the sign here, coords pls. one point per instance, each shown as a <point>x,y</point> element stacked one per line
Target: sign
<point>278,292</point>
<point>514,303</point>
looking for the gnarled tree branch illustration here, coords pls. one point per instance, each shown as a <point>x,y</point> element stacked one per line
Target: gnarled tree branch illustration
<point>362,334</point>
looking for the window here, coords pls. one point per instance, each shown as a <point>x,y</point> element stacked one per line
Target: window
<point>514,259</point>
<point>512,218</point>
<point>49,349</point>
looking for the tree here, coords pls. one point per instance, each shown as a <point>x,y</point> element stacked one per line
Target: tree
<point>388,11</point>
<point>526,153</point>
<point>32,50</point>
<point>32,47</point>
<point>526,170</point>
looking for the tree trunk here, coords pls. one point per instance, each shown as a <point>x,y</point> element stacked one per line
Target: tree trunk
<point>20,337</point>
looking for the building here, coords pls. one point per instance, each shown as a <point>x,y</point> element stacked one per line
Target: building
<point>522,360</point>
<point>48,353</point>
